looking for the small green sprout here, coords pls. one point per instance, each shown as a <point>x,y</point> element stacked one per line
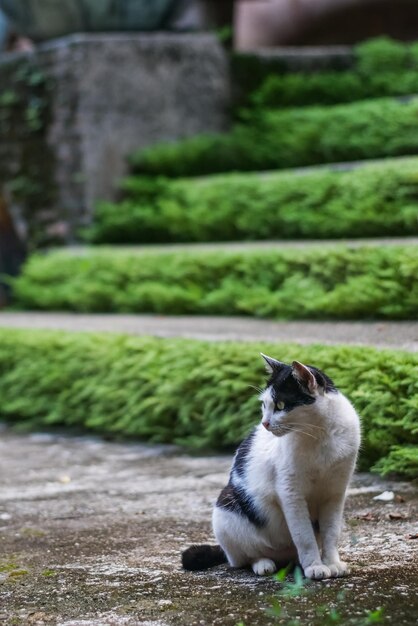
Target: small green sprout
<point>375,617</point>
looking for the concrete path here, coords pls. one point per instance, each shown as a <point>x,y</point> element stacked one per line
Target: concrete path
<point>401,335</point>
<point>91,534</point>
<point>232,246</point>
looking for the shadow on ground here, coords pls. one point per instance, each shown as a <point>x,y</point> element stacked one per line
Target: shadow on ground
<point>91,534</point>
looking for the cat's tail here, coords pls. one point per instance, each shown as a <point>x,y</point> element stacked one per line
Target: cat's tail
<point>202,557</point>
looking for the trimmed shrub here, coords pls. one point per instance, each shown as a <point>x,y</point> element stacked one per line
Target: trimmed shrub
<point>401,459</point>
<point>375,200</point>
<point>194,393</point>
<point>295,283</point>
<point>382,67</point>
<point>277,139</point>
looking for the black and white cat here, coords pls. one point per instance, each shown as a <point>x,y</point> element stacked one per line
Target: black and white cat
<point>288,477</point>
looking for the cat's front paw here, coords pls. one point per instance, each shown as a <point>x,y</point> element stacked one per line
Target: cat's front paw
<point>264,567</point>
<point>338,568</point>
<point>317,572</point>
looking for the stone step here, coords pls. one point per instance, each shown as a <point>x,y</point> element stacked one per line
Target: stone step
<point>291,137</point>
<point>375,198</point>
<point>315,281</point>
<point>301,75</point>
<point>394,335</point>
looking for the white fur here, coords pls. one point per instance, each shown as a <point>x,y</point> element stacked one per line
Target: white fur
<point>293,479</point>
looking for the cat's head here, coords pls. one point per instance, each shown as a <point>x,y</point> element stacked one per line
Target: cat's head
<point>290,391</point>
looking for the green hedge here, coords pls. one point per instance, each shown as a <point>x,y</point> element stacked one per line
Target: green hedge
<point>311,282</point>
<point>277,139</point>
<point>193,392</point>
<point>371,201</point>
<point>382,67</point>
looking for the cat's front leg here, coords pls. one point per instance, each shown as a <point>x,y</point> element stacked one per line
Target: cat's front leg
<point>299,523</point>
<point>330,522</point>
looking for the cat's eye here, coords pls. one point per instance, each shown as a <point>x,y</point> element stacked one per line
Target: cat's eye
<point>279,406</point>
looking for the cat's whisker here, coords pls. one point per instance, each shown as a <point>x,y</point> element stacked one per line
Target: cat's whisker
<point>307,425</point>
<point>315,426</point>
<point>302,432</point>
<point>289,427</point>
<point>258,389</point>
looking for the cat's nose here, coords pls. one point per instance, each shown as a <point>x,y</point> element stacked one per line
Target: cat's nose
<point>266,424</point>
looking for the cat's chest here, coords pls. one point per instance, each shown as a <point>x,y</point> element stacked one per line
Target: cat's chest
<point>318,461</point>
<point>315,473</point>
<point>314,484</point>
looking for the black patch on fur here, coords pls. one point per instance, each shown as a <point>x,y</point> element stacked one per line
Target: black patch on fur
<point>235,498</point>
<point>323,380</point>
<point>285,388</point>
<point>202,557</point>
<point>242,455</point>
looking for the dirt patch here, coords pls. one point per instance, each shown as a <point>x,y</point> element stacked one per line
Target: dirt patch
<point>91,533</point>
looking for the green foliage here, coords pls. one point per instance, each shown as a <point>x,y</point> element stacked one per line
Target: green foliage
<point>289,612</point>
<point>382,67</point>
<point>27,175</point>
<point>294,283</point>
<point>374,200</point>
<point>23,102</point>
<point>225,34</point>
<point>375,617</point>
<point>285,90</point>
<point>190,392</point>
<point>294,588</point>
<point>23,187</point>
<point>401,459</point>
<point>385,55</point>
<point>8,98</point>
<point>277,139</point>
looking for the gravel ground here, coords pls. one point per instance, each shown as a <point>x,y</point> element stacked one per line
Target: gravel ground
<point>91,533</point>
<point>400,335</point>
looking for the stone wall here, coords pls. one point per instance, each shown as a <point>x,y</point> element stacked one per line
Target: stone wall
<point>26,162</point>
<point>72,112</point>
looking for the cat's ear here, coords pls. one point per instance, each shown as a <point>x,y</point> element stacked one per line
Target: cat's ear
<point>305,377</point>
<point>271,364</point>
